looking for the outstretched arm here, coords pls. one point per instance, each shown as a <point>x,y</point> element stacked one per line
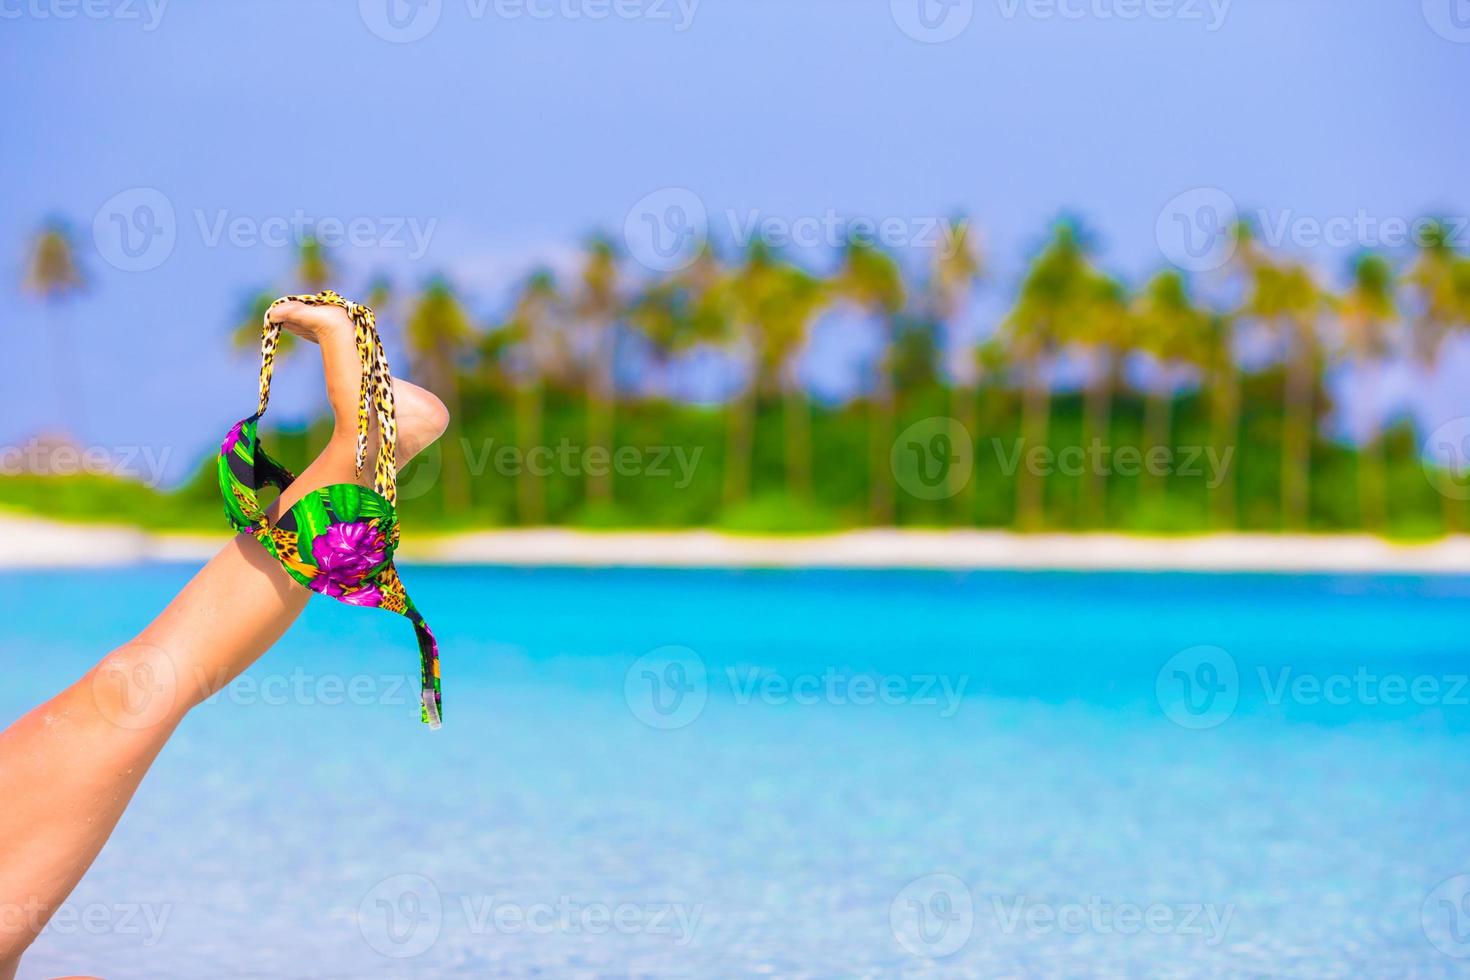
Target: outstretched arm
<point>70,766</point>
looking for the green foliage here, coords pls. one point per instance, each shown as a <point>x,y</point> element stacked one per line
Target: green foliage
<point>543,434</point>
<point>673,476</point>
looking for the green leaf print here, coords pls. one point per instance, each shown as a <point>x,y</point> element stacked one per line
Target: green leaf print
<point>347,500</point>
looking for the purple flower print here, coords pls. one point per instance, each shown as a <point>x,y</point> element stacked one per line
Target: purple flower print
<point>345,553</point>
<point>231,439</point>
<point>366,595</point>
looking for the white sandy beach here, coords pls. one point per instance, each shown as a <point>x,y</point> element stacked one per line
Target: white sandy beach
<point>27,542</point>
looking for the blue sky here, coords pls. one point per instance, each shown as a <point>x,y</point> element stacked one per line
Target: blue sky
<point>514,127</point>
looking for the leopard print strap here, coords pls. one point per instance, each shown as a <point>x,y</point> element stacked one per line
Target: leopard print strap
<point>376,386</point>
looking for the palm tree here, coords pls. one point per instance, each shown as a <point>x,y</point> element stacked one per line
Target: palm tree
<point>1248,258</point>
<point>1052,293</point>
<point>314,267</point>
<point>313,272</point>
<point>1174,331</point>
<point>704,304</point>
<point>772,303</point>
<point>1440,280</point>
<point>1284,296</point>
<point>597,306</point>
<point>1366,314</point>
<point>754,297</point>
<point>245,336</point>
<point>53,275</point>
<point>802,296</point>
<point>380,295</point>
<point>685,309</point>
<point>956,272</point>
<point>1105,325</point>
<point>530,329</point>
<point>437,333</point>
<point>1222,374</point>
<point>871,280</point>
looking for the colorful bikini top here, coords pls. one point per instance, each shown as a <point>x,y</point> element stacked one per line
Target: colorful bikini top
<point>337,540</point>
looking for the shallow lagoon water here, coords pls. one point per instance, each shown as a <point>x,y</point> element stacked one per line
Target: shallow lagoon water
<point>713,773</point>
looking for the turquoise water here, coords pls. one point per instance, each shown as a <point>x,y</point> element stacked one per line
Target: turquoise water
<point>794,774</point>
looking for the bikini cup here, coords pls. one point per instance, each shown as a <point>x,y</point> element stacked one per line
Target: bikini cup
<point>337,540</point>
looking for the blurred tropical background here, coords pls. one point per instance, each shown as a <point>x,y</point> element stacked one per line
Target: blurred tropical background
<point>1290,381</point>
<point>1080,357</point>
